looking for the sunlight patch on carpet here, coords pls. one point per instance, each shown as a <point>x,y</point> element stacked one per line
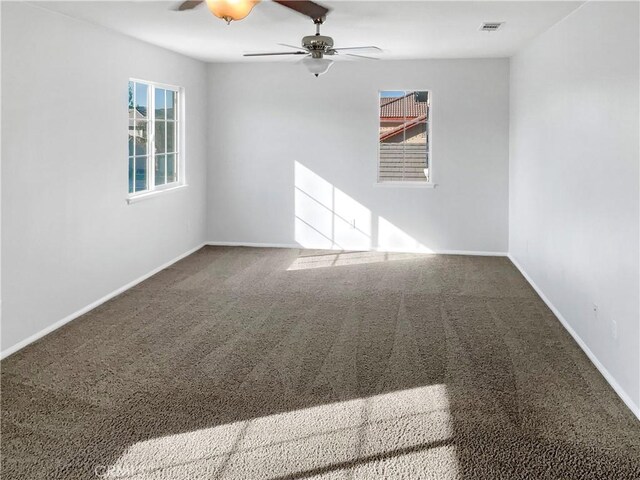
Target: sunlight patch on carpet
<point>341,259</point>
<point>405,431</point>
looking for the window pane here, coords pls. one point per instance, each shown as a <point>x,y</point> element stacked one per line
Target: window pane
<point>141,174</point>
<point>160,169</point>
<point>160,137</point>
<point>418,106</point>
<point>131,174</point>
<point>171,137</point>
<point>131,141</point>
<point>171,105</point>
<point>426,170</point>
<point>418,137</point>
<point>131,104</point>
<point>160,103</point>
<point>141,92</point>
<point>171,169</point>
<point>391,164</point>
<point>140,132</point>
<point>415,151</point>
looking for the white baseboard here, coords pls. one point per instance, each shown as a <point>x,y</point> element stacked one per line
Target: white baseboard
<point>257,245</point>
<point>298,246</point>
<point>18,346</point>
<point>601,368</point>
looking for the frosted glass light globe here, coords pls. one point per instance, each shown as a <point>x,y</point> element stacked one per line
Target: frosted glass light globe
<point>231,9</point>
<point>317,66</point>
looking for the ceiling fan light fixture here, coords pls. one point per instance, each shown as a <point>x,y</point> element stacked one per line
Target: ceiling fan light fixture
<point>230,10</point>
<point>317,66</point>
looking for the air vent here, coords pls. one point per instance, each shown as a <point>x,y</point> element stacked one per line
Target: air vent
<point>490,26</point>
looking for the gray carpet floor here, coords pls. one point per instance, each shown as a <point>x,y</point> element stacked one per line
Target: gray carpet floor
<point>240,363</point>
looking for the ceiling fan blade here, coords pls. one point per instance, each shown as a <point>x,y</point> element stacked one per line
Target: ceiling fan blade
<point>370,48</point>
<point>360,56</point>
<point>305,7</point>
<point>290,46</point>
<point>273,53</point>
<point>188,5</point>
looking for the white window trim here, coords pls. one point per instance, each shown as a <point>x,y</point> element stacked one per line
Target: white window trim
<point>153,190</point>
<point>406,183</point>
<point>155,193</point>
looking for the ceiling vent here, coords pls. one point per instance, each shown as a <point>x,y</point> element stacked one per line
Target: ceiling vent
<point>490,26</point>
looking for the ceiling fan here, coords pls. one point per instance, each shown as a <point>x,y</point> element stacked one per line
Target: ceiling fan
<point>313,47</point>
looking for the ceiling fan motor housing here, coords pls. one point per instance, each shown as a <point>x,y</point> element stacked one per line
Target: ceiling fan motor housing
<point>317,42</point>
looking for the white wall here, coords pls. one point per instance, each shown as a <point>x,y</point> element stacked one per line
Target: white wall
<point>574,179</point>
<point>292,158</point>
<point>68,237</point>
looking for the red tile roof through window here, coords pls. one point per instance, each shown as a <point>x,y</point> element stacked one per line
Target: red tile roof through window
<point>402,106</point>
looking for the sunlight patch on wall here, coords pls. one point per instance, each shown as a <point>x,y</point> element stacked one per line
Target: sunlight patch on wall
<point>393,239</point>
<point>326,217</point>
<point>408,431</point>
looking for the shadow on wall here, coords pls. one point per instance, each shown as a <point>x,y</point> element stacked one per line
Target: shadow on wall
<point>328,218</point>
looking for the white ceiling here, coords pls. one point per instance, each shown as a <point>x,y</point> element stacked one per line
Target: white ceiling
<point>403,29</point>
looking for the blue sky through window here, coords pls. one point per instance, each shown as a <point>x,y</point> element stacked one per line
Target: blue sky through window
<point>392,93</point>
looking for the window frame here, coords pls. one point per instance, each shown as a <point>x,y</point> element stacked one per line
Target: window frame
<point>429,183</point>
<point>179,147</point>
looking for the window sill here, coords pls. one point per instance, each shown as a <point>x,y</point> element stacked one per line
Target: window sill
<point>145,196</point>
<point>407,184</point>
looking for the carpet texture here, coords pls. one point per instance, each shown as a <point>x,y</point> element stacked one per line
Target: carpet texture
<point>241,363</point>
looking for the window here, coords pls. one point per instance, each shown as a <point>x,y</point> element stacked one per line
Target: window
<point>154,139</point>
<point>404,153</point>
